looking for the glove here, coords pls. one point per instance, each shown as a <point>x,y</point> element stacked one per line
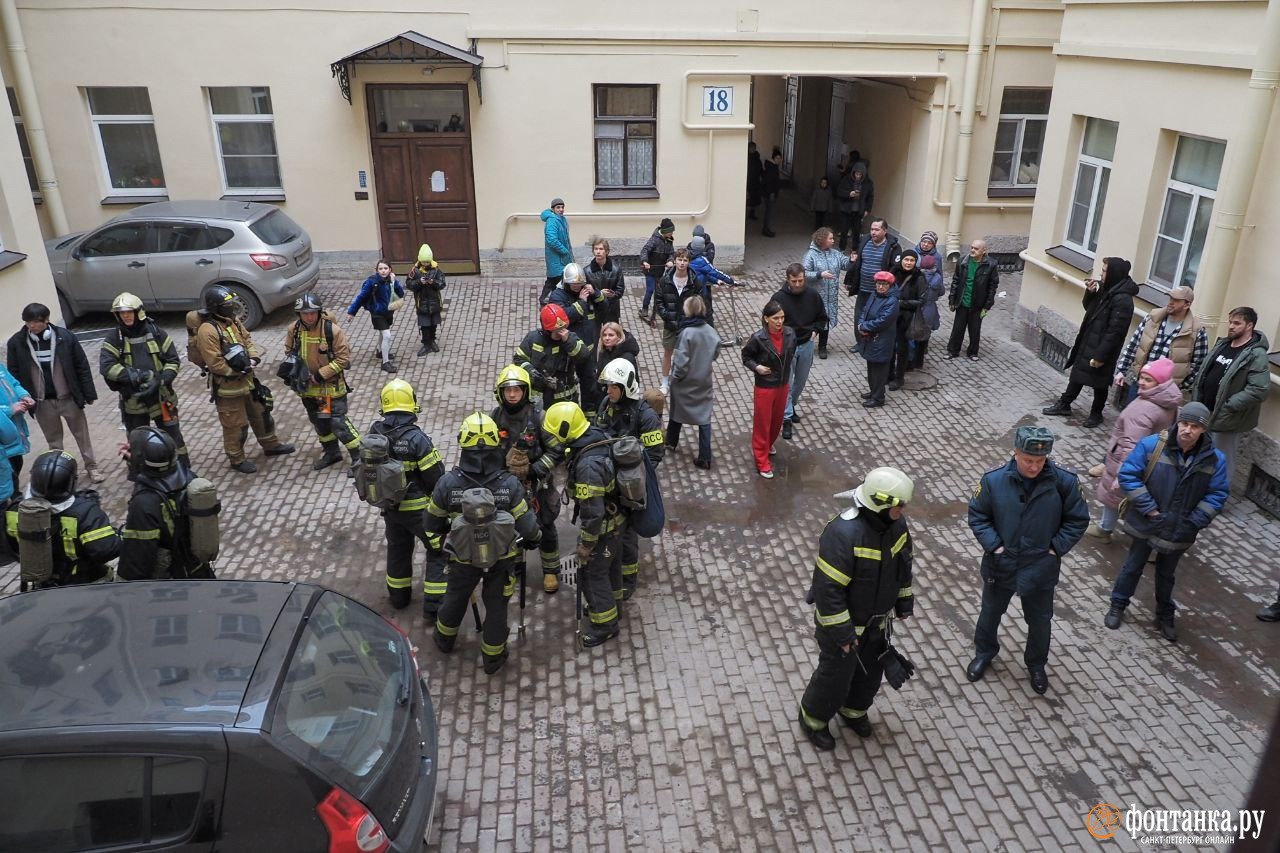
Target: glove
<point>518,463</point>
<point>897,669</point>
<point>137,377</point>
<point>551,383</point>
<point>149,392</point>
<point>531,544</point>
<point>584,553</point>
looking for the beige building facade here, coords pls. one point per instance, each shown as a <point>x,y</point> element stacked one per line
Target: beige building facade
<point>25,276</point>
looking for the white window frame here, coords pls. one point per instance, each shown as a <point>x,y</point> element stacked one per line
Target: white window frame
<point>32,177</point>
<point>1015,164</point>
<point>1197,193</point>
<point>251,118</point>
<point>98,122</point>
<point>1100,165</point>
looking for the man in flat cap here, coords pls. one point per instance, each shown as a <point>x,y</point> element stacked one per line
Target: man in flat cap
<point>1026,514</point>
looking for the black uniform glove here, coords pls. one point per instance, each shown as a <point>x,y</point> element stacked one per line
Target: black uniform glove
<point>897,669</point>
<point>551,384</point>
<point>149,391</point>
<point>137,377</point>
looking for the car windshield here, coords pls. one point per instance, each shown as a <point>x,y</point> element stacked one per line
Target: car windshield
<point>276,228</point>
<point>342,707</point>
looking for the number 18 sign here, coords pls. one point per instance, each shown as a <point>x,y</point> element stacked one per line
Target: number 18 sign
<point>717,100</point>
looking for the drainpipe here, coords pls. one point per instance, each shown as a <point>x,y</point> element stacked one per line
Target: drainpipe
<point>1232,201</point>
<point>32,119</point>
<point>968,107</point>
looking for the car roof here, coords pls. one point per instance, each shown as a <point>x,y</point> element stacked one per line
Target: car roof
<point>133,653</point>
<point>235,211</point>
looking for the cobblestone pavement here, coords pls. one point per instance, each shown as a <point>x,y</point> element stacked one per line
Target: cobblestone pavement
<point>681,735</point>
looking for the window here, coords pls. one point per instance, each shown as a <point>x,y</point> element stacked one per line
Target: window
<point>239,626</point>
<point>178,237</point>
<point>1015,162</point>
<point>27,160</point>
<point>245,129</point>
<point>1093,174</point>
<point>626,120</point>
<point>420,109</point>
<point>170,631</point>
<point>126,135</point>
<point>1188,204</point>
<point>129,238</point>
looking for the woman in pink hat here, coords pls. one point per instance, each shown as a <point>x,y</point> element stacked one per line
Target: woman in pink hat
<point>1153,411</point>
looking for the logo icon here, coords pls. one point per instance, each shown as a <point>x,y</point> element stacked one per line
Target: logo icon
<point>1102,821</point>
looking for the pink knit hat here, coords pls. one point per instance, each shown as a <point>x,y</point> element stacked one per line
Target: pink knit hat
<point>1160,370</point>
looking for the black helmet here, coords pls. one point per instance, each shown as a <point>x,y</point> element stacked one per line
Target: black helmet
<point>53,476</point>
<point>308,302</point>
<point>221,302</point>
<point>153,454</point>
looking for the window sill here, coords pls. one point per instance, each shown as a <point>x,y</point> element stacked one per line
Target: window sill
<point>1156,294</point>
<point>274,195</point>
<point>1274,358</point>
<point>1011,192</point>
<point>8,259</point>
<point>133,199</point>
<point>625,192</point>
<point>1071,257</point>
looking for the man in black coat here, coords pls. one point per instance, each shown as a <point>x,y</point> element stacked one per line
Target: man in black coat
<point>806,314</point>
<point>770,186</point>
<point>1108,311</point>
<point>855,193</point>
<point>973,292</point>
<point>49,361</point>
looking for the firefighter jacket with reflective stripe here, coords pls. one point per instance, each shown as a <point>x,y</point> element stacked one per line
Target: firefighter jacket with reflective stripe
<point>413,449</point>
<point>564,361</point>
<point>445,503</point>
<point>144,346</point>
<point>212,339</point>
<point>636,418</point>
<point>82,537</point>
<point>156,537</point>
<point>592,481</point>
<point>326,353</point>
<point>523,428</point>
<point>863,572</point>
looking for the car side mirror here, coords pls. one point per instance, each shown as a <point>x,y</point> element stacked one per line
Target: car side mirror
<point>76,254</point>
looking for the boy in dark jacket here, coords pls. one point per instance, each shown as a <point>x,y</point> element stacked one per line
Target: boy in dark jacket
<point>655,257</point>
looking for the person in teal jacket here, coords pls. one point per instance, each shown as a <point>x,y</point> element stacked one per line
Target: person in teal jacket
<point>558,247</point>
<point>14,401</point>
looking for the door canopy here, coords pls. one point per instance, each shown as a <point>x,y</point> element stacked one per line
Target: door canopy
<point>409,48</point>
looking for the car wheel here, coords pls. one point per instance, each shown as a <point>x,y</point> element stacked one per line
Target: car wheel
<point>68,313</point>
<point>251,308</point>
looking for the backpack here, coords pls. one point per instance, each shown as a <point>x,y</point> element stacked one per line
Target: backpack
<point>195,319</point>
<point>481,534</point>
<point>379,479</point>
<point>628,461</point>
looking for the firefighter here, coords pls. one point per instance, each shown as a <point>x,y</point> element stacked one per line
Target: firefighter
<point>557,359</point>
<point>581,302</point>
<point>320,377</point>
<point>228,354</point>
<point>480,513</point>
<point>139,361</point>
<point>601,522</point>
<point>82,539</point>
<point>417,454</point>
<point>623,412</point>
<point>861,583</point>
<point>156,534</point>
<point>532,460</point>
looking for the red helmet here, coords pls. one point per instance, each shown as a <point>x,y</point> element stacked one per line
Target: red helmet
<point>553,317</point>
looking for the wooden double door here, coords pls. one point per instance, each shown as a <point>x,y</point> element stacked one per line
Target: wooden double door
<point>422,172</point>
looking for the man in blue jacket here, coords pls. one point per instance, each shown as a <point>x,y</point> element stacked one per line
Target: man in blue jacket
<point>1176,484</point>
<point>558,248</point>
<point>1026,514</point>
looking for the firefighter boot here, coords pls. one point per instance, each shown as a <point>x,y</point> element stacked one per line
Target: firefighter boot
<point>550,582</point>
<point>332,456</point>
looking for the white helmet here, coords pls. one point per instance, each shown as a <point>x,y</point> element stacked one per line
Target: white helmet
<point>573,274</point>
<point>621,372</point>
<point>883,488</point>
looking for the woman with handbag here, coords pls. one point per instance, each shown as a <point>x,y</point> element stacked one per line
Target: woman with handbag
<point>380,294</point>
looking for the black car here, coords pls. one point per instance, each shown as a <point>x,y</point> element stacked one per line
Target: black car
<point>210,715</point>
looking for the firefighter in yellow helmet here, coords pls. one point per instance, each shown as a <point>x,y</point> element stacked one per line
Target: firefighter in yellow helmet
<point>139,361</point>
<point>425,282</point>
<point>321,357</point>
<point>480,511</point>
<point>417,455</point>
<point>531,459</point>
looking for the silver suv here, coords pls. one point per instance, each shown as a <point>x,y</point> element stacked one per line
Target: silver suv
<point>169,253</point>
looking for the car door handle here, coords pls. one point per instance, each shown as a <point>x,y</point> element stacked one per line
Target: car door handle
<point>133,265</point>
<point>203,262</point>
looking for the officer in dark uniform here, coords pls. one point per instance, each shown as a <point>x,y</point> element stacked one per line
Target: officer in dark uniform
<point>601,521</point>
<point>156,538</point>
<point>861,583</point>
<point>83,540</point>
<point>480,466</point>
<point>422,468</point>
<point>557,359</point>
<point>1026,514</point>
<point>528,456</point>
<point>623,412</point>
<point>139,361</point>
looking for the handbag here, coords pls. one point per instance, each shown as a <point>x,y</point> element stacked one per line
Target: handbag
<point>919,329</point>
<point>1123,509</point>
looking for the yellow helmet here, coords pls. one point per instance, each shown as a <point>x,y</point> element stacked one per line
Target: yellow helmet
<point>478,430</point>
<point>513,375</point>
<point>425,256</point>
<point>128,302</point>
<point>565,421</point>
<point>398,396</point>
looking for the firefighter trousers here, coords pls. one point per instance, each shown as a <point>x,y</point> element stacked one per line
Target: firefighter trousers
<point>601,579</point>
<point>498,584</point>
<point>238,415</point>
<point>630,558</point>
<point>402,530</point>
<point>332,424</point>
<point>548,508</point>
<point>844,682</point>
